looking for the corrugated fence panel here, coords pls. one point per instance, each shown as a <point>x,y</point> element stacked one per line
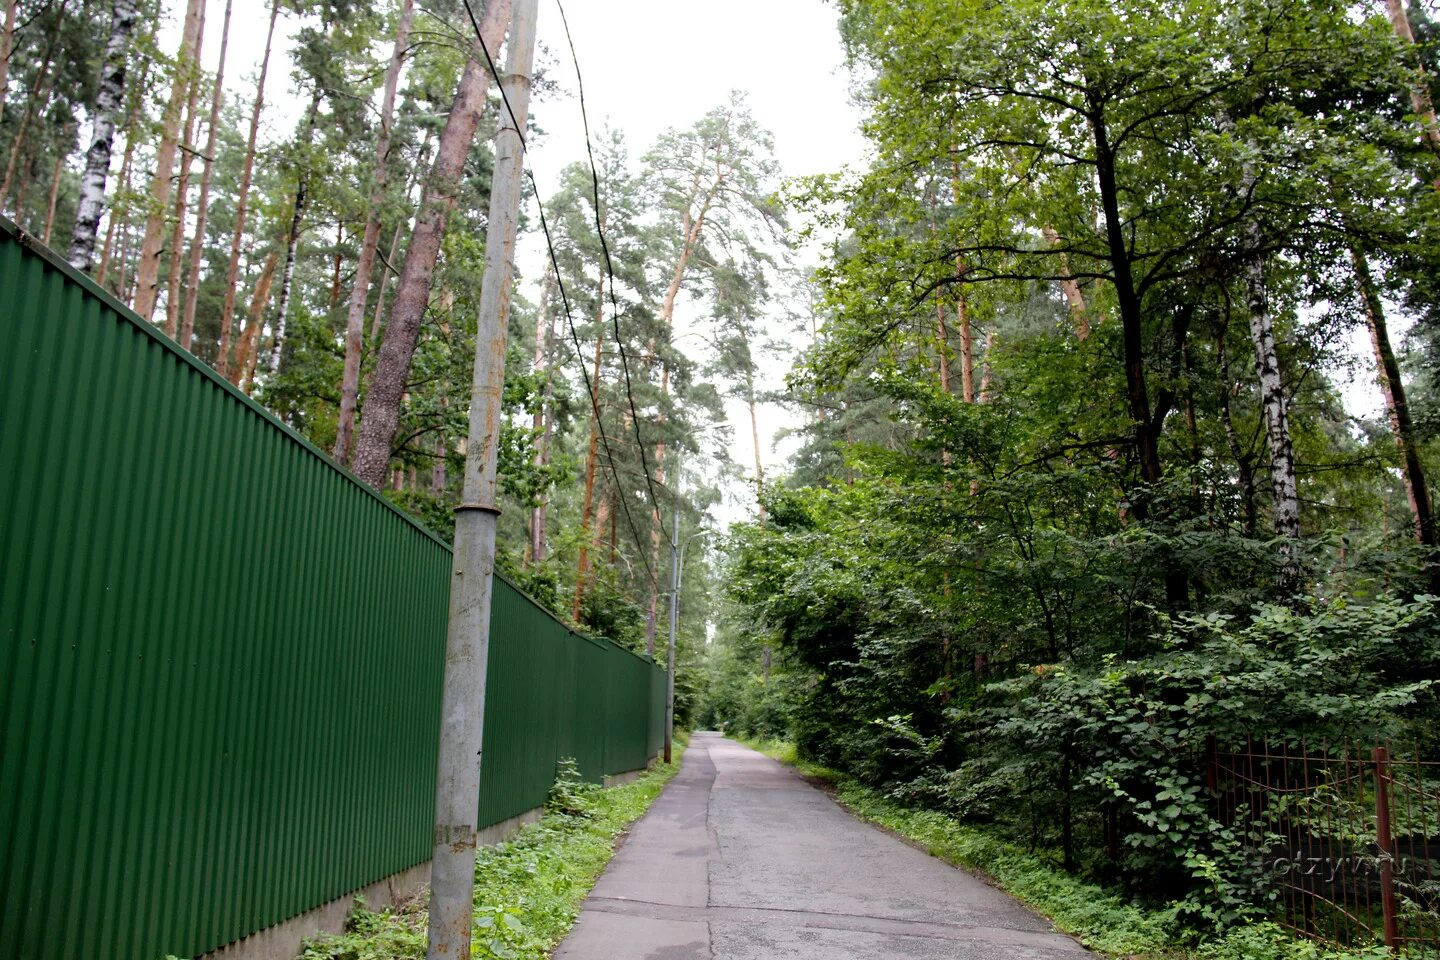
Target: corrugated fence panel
<point>221,656</point>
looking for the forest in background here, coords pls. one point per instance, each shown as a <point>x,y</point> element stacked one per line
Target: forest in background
<point>324,254</point>
<point>1078,497</point>
<point>1080,504</point>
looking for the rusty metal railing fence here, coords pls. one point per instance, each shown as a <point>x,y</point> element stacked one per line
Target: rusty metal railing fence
<point>1345,840</point>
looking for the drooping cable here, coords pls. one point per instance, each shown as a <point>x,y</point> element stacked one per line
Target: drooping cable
<point>565,302</point>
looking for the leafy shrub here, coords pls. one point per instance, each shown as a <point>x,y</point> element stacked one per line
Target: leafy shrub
<point>1134,730</point>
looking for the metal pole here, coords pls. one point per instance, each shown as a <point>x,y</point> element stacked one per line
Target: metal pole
<point>457,794</point>
<point>1380,756</point>
<point>670,653</point>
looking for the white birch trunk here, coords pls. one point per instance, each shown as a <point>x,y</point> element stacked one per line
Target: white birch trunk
<point>102,138</point>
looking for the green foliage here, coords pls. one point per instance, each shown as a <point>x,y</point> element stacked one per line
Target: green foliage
<point>528,889</point>
<point>1335,672</point>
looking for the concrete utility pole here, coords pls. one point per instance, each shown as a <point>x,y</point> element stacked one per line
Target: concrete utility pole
<point>467,646</point>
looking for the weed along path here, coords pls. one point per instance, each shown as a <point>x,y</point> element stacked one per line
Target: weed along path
<point>741,859</point>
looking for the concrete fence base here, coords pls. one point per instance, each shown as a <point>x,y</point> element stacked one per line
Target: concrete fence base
<point>283,940</point>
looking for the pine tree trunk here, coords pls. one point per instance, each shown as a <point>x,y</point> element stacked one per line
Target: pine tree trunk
<point>1420,100</point>
<point>237,239</point>
<point>1071,289</point>
<point>377,322</point>
<point>54,196</point>
<point>755,440</point>
<point>692,228</point>
<point>182,194</point>
<point>967,348</point>
<point>542,425</point>
<point>402,330</point>
<point>247,347</point>
<point>942,346</point>
<point>7,47</point>
<point>202,204</point>
<point>614,529</point>
<point>337,262</point>
<point>601,526</point>
<point>652,610</point>
<point>984,396</point>
<point>582,567</point>
<point>369,244</point>
<point>1412,471</point>
<point>147,268</point>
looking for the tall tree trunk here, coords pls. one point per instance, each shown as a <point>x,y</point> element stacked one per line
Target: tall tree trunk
<point>1070,288</point>
<point>7,48</point>
<point>658,525</point>
<point>1147,426</point>
<point>967,348</point>
<point>582,566</point>
<point>402,330</point>
<point>942,346</point>
<point>1419,85</point>
<point>338,261</point>
<point>692,229</point>
<point>122,280</point>
<point>147,268</point>
<point>985,374</point>
<point>369,243</point>
<point>1275,407</point>
<point>202,204</point>
<point>54,196</point>
<point>543,422</point>
<point>242,203</point>
<point>755,441</point>
<point>614,528</point>
<point>292,237</point>
<point>247,347</point>
<point>1417,491</point>
<point>377,322</point>
<point>182,193</point>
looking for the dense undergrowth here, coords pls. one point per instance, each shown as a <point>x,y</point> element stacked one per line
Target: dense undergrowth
<point>528,890</point>
<point>1101,919</point>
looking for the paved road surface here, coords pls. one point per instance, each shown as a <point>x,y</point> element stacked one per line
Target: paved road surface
<point>741,859</point>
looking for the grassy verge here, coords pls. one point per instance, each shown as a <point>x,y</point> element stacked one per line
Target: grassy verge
<point>1101,920</point>
<point>528,890</point>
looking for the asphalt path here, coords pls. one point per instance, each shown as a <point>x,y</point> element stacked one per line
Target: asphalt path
<point>741,859</point>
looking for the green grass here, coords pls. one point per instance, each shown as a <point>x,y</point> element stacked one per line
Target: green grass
<point>528,890</point>
<point>1106,923</point>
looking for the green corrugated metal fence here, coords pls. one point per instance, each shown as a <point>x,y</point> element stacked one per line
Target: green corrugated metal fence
<point>221,657</point>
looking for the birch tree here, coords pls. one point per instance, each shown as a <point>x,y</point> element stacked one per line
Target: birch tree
<point>108,99</point>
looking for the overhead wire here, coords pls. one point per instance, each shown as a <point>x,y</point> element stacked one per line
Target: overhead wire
<point>565,302</point>
<point>609,264</point>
